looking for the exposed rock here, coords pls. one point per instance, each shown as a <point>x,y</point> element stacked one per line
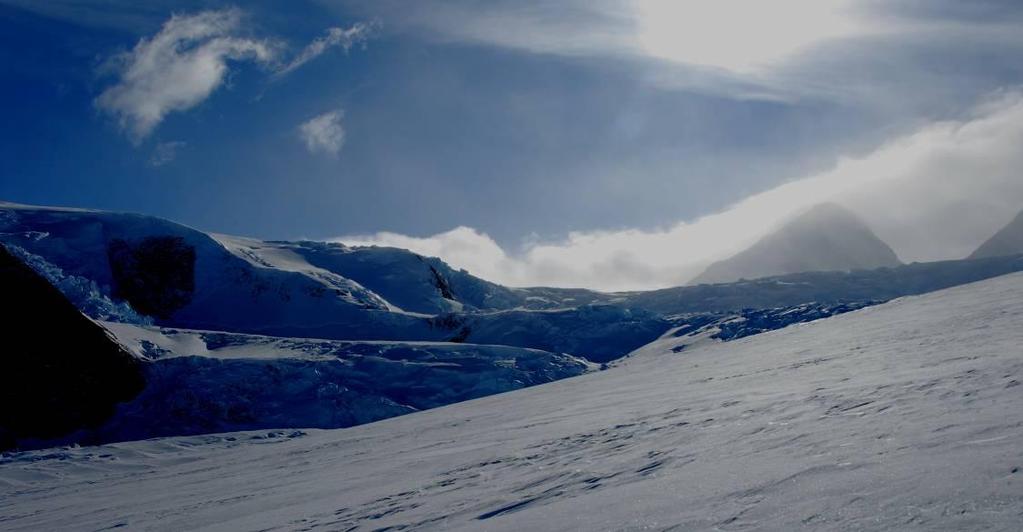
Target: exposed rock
<point>156,275</point>
<point>61,371</point>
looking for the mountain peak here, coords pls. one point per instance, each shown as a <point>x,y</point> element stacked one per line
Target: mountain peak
<point>1007,241</point>
<point>827,237</point>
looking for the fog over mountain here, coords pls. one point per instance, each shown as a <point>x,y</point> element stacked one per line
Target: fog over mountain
<point>1007,241</point>
<point>934,194</point>
<point>826,238</point>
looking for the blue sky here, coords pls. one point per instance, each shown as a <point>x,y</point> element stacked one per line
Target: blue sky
<point>542,130</point>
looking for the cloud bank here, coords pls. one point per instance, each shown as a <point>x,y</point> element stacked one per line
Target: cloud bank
<point>177,68</point>
<point>935,194</point>
<point>323,133</point>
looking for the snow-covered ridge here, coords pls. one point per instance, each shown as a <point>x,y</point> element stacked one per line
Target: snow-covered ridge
<point>239,333</point>
<point>337,320</point>
<point>179,277</point>
<point>279,257</point>
<point>319,289</point>
<point>906,415</point>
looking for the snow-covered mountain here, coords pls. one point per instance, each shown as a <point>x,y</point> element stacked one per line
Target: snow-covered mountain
<point>126,267</point>
<point>323,290</point>
<point>826,238</point>
<point>180,276</point>
<point>68,374</point>
<point>1007,241</point>
<point>196,310</point>
<point>406,280</point>
<point>236,333</point>
<point>906,415</point>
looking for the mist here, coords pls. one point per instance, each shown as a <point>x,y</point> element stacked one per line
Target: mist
<point>935,194</point>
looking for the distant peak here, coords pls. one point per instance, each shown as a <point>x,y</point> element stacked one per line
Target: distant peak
<point>825,237</point>
<point>1007,241</point>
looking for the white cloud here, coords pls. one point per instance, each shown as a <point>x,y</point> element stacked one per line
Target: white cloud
<point>739,35</point>
<point>935,194</point>
<point>342,37</point>
<point>462,246</point>
<point>165,152</point>
<point>323,133</point>
<point>177,68</point>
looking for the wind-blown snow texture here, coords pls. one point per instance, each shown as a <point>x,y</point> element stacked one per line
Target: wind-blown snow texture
<point>902,416</point>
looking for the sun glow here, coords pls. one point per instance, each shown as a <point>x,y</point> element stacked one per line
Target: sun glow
<point>739,35</point>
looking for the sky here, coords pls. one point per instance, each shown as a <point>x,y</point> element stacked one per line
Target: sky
<point>609,144</point>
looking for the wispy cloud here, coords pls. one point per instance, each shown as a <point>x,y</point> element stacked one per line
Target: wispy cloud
<point>728,35</point>
<point>934,194</point>
<point>324,133</point>
<point>344,38</point>
<point>781,50</point>
<point>165,152</point>
<point>177,68</point>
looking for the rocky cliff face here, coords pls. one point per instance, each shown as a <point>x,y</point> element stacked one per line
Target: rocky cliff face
<point>61,371</point>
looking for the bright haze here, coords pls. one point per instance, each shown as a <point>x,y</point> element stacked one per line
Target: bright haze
<point>608,144</point>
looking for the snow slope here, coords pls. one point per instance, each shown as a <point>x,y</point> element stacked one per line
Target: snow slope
<point>599,333</point>
<point>906,415</point>
<point>200,382</point>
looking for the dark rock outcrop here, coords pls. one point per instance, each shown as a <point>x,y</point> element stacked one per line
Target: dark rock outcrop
<point>61,371</point>
<point>156,275</point>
